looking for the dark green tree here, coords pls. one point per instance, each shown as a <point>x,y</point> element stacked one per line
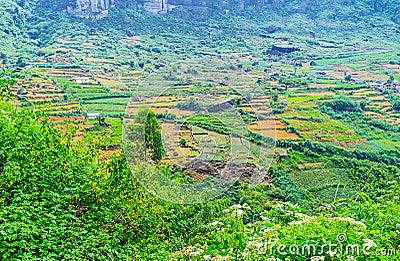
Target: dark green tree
<point>290,189</point>
<point>21,62</point>
<point>152,133</point>
<point>275,96</point>
<point>342,104</point>
<point>6,84</point>
<point>191,104</point>
<point>3,58</point>
<point>183,142</point>
<point>391,79</point>
<point>396,105</point>
<point>364,103</point>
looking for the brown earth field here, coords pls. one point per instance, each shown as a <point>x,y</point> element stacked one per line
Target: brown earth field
<point>273,128</point>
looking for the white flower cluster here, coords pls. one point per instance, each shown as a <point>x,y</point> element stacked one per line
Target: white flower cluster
<point>284,209</point>
<point>254,245</point>
<point>270,232</point>
<point>218,258</point>
<point>350,221</point>
<point>190,251</point>
<point>237,210</point>
<point>302,218</point>
<point>260,242</point>
<point>216,224</point>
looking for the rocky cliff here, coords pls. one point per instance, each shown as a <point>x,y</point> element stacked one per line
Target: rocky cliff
<point>92,9</point>
<point>202,9</point>
<point>97,9</point>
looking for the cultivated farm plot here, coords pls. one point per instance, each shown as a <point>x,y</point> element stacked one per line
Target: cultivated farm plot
<point>273,128</point>
<point>326,131</point>
<point>108,135</point>
<point>38,87</point>
<point>155,72</point>
<point>379,106</point>
<point>395,67</point>
<point>112,84</point>
<point>326,183</point>
<point>177,153</point>
<point>304,115</point>
<point>305,106</point>
<point>212,146</point>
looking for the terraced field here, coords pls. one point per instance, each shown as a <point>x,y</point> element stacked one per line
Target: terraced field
<point>237,93</point>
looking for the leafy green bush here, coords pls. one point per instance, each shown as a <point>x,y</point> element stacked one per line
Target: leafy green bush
<point>58,202</point>
<point>293,82</point>
<point>358,230</point>
<point>191,104</point>
<point>396,105</point>
<point>290,189</point>
<point>342,104</point>
<point>6,84</point>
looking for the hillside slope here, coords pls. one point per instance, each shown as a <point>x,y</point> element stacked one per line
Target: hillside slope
<point>340,9</point>
<point>202,9</point>
<point>13,34</point>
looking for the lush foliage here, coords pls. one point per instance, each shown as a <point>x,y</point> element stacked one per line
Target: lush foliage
<point>5,85</point>
<point>290,190</point>
<point>343,104</point>
<point>335,153</point>
<point>59,201</point>
<point>191,104</point>
<point>152,133</point>
<point>396,105</point>
<point>285,232</point>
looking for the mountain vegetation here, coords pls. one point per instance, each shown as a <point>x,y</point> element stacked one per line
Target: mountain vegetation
<point>283,114</point>
<point>59,200</point>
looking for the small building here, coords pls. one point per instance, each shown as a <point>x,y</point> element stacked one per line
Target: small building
<point>109,69</point>
<point>378,86</point>
<point>298,64</point>
<point>80,80</point>
<point>274,77</point>
<point>283,155</point>
<point>356,80</point>
<point>22,92</point>
<point>398,87</point>
<point>93,116</point>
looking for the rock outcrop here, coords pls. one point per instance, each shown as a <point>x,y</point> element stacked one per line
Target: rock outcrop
<point>90,9</point>
<point>280,50</point>
<point>202,9</point>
